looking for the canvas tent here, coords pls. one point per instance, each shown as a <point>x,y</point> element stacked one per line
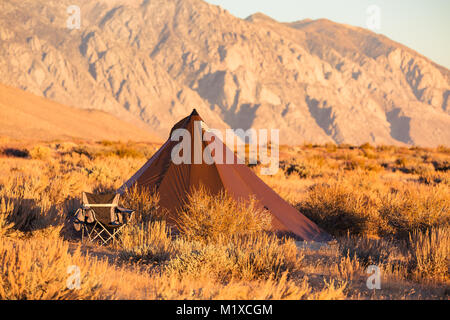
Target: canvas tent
<point>173,182</point>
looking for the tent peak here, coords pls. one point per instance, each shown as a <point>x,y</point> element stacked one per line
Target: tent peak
<point>194,112</point>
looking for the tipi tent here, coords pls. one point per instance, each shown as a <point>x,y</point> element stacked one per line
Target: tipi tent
<point>174,181</point>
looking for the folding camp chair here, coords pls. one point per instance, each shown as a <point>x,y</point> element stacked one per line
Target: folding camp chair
<point>101,218</point>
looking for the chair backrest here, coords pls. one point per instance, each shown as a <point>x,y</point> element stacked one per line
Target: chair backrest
<point>103,205</point>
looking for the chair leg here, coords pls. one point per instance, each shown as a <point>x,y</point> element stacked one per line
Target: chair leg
<point>117,232</point>
<point>92,231</point>
<point>99,232</point>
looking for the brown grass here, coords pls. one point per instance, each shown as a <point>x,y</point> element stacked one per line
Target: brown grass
<point>388,206</point>
<point>430,253</point>
<point>339,209</point>
<point>38,269</point>
<point>210,218</point>
<point>247,258</point>
<point>145,203</point>
<point>363,204</point>
<point>148,242</point>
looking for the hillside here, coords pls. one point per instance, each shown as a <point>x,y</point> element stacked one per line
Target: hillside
<point>28,117</point>
<point>316,80</point>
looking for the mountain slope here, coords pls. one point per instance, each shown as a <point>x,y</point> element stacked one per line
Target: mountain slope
<point>26,116</point>
<point>316,81</point>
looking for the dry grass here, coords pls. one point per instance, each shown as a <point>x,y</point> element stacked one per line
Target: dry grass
<point>388,206</point>
<point>365,204</point>
<point>339,209</point>
<point>38,269</point>
<point>148,242</point>
<point>252,257</point>
<point>416,207</point>
<point>210,218</point>
<point>145,203</point>
<point>6,211</point>
<point>430,253</point>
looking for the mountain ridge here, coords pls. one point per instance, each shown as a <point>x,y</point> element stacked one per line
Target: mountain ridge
<point>153,61</point>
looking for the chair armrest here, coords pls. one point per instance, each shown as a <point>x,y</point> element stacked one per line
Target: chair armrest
<point>124,210</point>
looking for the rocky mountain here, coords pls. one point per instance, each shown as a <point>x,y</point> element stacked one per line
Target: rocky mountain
<point>152,61</point>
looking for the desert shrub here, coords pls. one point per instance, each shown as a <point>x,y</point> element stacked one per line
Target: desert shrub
<point>304,169</point>
<point>417,207</point>
<point>62,186</point>
<point>367,146</point>
<point>168,287</point>
<point>262,256</point>
<point>430,252</point>
<point>443,149</point>
<point>333,290</point>
<point>344,146</point>
<point>196,259</point>
<point>411,165</point>
<point>307,145</point>
<point>41,153</point>
<point>330,147</point>
<point>109,149</point>
<point>435,178</point>
<point>6,209</point>
<point>29,202</point>
<point>51,232</point>
<point>403,162</point>
<point>147,242</point>
<point>207,217</point>
<point>108,143</point>
<point>348,266</point>
<point>121,150</point>
<point>339,209</point>
<point>317,160</point>
<point>354,164</point>
<point>64,147</point>
<point>25,215</point>
<point>423,168</point>
<point>364,205</point>
<point>82,151</point>
<point>375,167</point>
<point>369,153</point>
<point>386,151</point>
<point>361,164</point>
<point>17,153</point>
<point>145,203</point>
<point>370,251</point>
<point>250,257</point>
<point>38,269</point>
<point>441,165</point>
<point>356,159</point>
<point>126,152</point>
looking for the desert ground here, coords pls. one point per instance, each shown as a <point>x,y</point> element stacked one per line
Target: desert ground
<point>385,206</point>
